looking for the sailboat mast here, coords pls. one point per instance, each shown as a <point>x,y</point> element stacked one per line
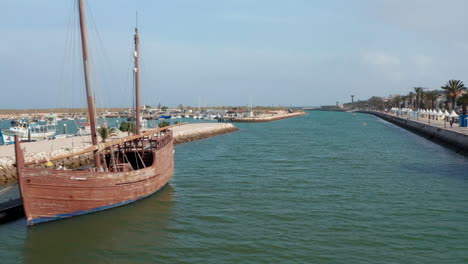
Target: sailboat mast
<point>89,93</point>
<point>137,82</point>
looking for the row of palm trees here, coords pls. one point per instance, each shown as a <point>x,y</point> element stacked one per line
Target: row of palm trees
<point>420,97</point>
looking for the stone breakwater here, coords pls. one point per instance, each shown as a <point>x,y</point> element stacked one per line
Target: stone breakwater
<point>185,134</point>
<point>454,140</point>
<point>267,118</point>
<point>44,150</point>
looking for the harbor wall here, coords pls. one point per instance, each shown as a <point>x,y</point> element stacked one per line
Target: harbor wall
<point>182,134</point>
<point>453,140</point>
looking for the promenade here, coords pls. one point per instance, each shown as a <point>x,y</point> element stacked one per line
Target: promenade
<point>441,132</point>
<point>435,123</point>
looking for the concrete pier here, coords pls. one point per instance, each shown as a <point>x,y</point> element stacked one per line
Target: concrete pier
<point>454,137</point>
<point>43,150</point>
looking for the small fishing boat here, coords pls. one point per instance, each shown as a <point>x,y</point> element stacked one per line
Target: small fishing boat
<point>32,131</point>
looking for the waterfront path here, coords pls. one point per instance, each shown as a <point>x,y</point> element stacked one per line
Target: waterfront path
<point>454,137</point>
<point>435,123</point>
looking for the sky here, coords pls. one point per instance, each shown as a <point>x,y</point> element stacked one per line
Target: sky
<point>211,52</point>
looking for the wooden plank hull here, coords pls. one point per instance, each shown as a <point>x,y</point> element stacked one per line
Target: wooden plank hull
<point>50,194</point>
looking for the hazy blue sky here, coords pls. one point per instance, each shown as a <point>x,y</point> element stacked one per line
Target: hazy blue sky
<point>290,52</point>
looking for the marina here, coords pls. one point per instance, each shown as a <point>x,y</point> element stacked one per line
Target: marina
<point>227,132</point>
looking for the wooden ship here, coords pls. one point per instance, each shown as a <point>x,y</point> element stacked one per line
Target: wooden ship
<point>124,170</point>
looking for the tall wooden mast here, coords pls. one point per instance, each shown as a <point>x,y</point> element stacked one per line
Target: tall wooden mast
<point>89,91</point>
<point>137,82</point>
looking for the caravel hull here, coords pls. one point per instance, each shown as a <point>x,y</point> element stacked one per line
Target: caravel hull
<point>50,194</point>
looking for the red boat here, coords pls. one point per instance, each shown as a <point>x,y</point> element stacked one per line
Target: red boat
<point>124,170</point>
<point>134,169</point>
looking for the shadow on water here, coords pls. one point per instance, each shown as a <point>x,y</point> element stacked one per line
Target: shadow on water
<point>11,205</point>
<point>113,236</point>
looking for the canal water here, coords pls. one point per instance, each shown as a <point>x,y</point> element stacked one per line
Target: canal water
<point>323,188</point>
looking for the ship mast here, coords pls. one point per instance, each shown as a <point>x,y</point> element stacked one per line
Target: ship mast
<point>89,93</point>
<point>137,82</point>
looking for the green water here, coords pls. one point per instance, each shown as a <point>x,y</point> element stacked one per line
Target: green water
<point>324,188</point>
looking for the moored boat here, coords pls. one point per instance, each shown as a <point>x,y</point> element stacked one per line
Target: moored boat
<point>124,170</point>
<point>29,131</point>
<point>130,170</point>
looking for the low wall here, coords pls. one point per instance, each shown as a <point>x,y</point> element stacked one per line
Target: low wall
<point>456,141</point>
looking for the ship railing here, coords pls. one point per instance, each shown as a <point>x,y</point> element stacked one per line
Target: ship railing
<point>163,140</point>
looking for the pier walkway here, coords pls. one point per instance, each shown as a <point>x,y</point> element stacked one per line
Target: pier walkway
<point>435,123</point>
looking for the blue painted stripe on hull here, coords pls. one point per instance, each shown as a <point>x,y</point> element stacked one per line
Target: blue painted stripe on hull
<point>101,208</point>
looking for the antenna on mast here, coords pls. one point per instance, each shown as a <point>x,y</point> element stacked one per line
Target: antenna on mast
<point>136,19</point>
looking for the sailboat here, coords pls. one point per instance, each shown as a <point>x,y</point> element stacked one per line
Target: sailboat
<point>124,170</point>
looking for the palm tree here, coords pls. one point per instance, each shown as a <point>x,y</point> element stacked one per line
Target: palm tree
<point>106,132</point>
<point>453,89</point>
<point>432,96</point>
<point>404,99</point>
<point>411,102</point>
<point>464,101</point>
<point>419,93</point>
